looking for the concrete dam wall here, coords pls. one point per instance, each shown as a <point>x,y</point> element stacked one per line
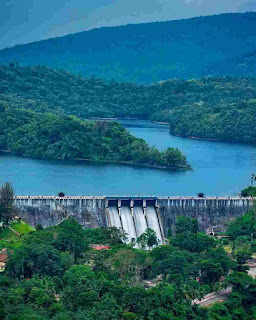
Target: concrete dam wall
<point>132,214</point>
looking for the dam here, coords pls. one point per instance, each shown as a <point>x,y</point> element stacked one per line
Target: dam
<point>132,214</point>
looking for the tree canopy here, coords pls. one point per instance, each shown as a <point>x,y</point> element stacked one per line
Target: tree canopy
<point>55,274</point>
<point>47,135</point>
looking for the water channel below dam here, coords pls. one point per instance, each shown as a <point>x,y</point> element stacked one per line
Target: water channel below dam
<point>219,169</point>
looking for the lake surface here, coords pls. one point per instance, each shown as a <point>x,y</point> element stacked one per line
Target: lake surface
<point>219,169</point>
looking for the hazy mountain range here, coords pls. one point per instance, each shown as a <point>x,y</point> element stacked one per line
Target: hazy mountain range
<point>144,53</point>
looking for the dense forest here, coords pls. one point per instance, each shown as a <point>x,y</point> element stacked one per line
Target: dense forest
<point>216,108</point>
<point>48,135</point>
<point>231,122</point>
<point>56,274</point>
<point>145,53</point>
<point>94,97</point>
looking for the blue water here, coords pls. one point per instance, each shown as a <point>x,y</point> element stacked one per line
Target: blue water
<point>218,169</point>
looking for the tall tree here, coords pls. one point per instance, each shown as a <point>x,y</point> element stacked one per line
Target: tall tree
<point>148,239</point>
<point>6,202</point>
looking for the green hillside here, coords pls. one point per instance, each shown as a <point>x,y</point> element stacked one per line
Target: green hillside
<point>49,90</point>
<point>145,53</point>
<point>217,108</point>
<point>55,275</point>
<point>10,237</point>
<point>231,122</point>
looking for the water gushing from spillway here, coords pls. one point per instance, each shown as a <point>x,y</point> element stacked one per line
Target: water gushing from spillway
<point>153,223</point>
<point>139,220</point>
<point>135,224</point>
<point>114,218</point>
<point>128,223</point>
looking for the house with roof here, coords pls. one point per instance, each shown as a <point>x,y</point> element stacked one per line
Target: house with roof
<point>3,259</point>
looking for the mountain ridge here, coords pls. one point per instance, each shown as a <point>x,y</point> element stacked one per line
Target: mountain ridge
<point>149,52</point>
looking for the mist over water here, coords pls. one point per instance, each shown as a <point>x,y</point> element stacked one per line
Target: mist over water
<point>219,169</point>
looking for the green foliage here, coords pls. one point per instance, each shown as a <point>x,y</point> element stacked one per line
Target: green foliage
<point>221,121</point>
<point>46,135</point>
<point>193,242</point>
<point>6,203</point>
<point>22,227</point>
<point>35,259</point>
<point>249,192</point>
<point>147,239</point>
<point>55,275</point>
<point>168,101</point>
<point>185,225</point>
<point>242,226</point>
<point>219,44</point>
<point>214,108</point>
<point>109,236</point>
<point>71,237</point>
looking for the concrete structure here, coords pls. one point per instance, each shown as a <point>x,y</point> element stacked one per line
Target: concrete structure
<point>133,214</point>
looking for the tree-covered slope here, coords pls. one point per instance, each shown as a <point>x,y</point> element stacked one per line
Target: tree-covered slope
<point>144,53</point>
<point>61,91</point>
<point>54,274</point>
<point>231,122</point>
<point>219,108</point>
<point>47,135</point>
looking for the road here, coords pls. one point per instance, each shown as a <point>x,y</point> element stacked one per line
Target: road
<point>211,298</point>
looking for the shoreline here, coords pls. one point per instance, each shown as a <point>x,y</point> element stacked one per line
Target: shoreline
<point>199,138</point>
<point>161,122</point>
<point>213,139</point>
<point>134,164</point>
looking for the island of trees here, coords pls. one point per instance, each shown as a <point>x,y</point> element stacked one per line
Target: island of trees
<point>59,273</point>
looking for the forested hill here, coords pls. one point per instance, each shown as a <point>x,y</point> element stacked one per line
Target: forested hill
<point>232,122</point>
<point>62,92</point>
<point>145,53</point>
<point>218,108</point>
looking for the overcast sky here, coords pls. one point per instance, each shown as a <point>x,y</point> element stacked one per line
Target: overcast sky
<point>23,21</point>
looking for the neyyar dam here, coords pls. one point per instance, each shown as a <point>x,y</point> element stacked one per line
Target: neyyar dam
<point>132,214</point>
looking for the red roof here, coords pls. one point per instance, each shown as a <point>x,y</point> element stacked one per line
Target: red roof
<point>3,256</point>
<point>99,246</point>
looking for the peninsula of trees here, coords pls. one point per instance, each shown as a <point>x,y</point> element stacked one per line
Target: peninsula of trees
<point>47,135</point>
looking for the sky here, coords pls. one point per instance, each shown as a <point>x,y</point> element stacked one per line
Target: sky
<point>24,21</point>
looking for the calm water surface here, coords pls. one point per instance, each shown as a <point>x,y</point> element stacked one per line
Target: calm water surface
<point>218,169</point>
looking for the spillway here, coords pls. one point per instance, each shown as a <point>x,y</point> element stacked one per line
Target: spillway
<point>101,212</point>
<point>114,218</point>
<point>128,223</point>
<point>152,222</point>
<point>139,220</point>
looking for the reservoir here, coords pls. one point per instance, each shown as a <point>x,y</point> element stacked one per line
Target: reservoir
<point>219,169</point>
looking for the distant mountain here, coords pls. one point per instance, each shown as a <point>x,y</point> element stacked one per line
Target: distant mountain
<point>144,53</point>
